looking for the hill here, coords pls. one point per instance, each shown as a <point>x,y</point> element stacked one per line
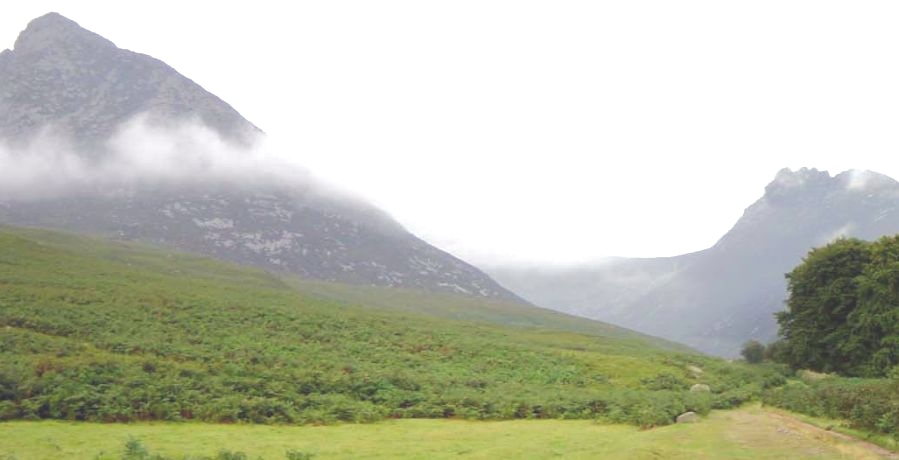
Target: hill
<point>716,299</point>
<point>113,331</point>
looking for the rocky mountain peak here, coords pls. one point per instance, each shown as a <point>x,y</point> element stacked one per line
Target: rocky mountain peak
<point>62,76</point>
<point>791,184</point>
<point>805,201</point>
<point>55,31</point>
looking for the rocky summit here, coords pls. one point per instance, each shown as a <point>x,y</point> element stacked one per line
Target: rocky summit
<point>66,79</point>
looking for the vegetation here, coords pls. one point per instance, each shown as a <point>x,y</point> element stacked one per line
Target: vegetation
<point>871,405</point>
<point>843,309</point>
<point>100,331</point>
<point>753,352</point>
<point>843,318</point>
<point>745,433</point>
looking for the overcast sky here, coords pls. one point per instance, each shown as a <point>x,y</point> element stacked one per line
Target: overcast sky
<point>549,132</point>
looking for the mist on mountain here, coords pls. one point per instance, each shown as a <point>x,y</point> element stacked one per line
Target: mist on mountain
<point>720,297</point>
<point>102,140</point>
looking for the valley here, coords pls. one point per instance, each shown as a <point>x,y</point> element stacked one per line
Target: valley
<point>174,286</point>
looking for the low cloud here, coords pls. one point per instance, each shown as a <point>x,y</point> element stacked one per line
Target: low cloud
<point>144,153</point>
<point>147,154</point>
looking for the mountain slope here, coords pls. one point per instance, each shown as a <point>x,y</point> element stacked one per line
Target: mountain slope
<point>92,329</point>
<point>61,80</point>
<point>716,299</point>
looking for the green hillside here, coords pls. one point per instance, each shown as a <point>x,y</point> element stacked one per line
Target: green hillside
<point>106,331</point>
<point>484,310</point>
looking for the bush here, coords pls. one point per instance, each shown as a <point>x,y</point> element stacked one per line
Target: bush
<point>8,410</point>
<point>665,381</point>
<point>753,352</point>
<point>135,450</point>
<point>867,404</point>
<point>650,409</point>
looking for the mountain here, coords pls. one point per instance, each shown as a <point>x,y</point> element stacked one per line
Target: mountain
<point>718,298</point>
<point>62,76</point>
<point>62,80</point>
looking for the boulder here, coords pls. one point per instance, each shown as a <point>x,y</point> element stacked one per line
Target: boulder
<point>700,388</point>
<point>688,417</point>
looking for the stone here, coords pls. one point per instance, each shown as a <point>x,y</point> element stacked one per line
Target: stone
<point>688,417</point>
<point>700,388</point>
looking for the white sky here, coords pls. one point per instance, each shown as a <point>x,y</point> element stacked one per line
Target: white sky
<point>552,131</point>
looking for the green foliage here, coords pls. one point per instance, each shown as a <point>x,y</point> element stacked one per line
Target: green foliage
<point>135,450</point>
<point>665,381</point>
<point>99,331</point>
<point>753,352</point>
<point>776,351</point>
<point>843,309</point>
<point>867,404</point>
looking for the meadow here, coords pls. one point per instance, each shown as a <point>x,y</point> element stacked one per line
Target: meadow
<point>745,433</point>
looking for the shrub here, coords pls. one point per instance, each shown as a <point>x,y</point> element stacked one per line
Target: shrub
<point>665,381</point>
<point>8,410</point>
<point>753,352</point>
<point>867,404</point>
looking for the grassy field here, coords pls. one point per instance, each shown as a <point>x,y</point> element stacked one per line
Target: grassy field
<point>747,433</point>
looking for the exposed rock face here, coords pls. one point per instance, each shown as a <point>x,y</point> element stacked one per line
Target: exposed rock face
<point>688,417</point>
<point>82,86</point>
<point>62,77</point>
<point>717,299</point>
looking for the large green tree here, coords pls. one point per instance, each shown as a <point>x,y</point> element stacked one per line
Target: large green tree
<point>876,320</point>
<point>843,309</point>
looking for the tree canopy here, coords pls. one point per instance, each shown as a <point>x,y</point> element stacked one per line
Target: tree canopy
<point>843,309</point>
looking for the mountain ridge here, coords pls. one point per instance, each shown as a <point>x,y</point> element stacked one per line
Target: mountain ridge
<point>719,297</point>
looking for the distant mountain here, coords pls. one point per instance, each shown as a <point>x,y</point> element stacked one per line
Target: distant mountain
<point>716,299</point>
<point>64,80</point>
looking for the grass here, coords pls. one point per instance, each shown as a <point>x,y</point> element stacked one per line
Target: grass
<point>746,433</point>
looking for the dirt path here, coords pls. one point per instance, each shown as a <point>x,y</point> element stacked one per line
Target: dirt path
<point>844,439</point>
<point>757,426</point>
